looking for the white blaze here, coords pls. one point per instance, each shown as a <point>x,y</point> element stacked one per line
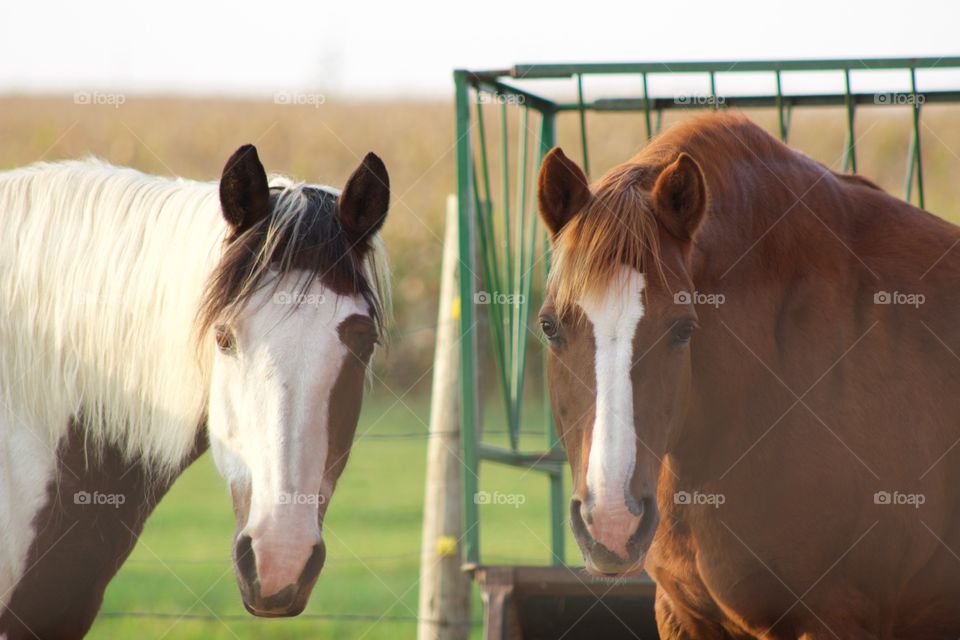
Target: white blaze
<point>614,314</point>
<point>269,418</point>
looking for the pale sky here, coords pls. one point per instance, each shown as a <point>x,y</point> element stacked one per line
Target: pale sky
<point>408,48</point>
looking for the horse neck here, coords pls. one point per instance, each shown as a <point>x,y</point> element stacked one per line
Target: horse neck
<point>779,232</point>
<point>798,253</point>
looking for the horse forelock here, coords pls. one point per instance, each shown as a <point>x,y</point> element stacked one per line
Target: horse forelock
<point>617,228</point>
<point>302,236</point>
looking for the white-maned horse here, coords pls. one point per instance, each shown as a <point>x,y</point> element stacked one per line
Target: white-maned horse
<point>137,315</point>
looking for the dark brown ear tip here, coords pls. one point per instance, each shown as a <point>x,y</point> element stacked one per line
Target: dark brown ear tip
<point>375,165</point>
<point>246,155</point>
<point>245,151</point>
<point>372,158</point>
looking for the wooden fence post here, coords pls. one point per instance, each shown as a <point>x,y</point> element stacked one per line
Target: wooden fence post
<point>444,611</point>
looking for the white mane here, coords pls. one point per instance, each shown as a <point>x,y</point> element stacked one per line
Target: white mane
<point>101,271</point>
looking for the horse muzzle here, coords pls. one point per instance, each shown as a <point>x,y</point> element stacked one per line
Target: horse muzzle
<point>264,590</point>
<point>614,539</point>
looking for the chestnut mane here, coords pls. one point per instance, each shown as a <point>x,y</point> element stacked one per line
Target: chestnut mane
<point>617,227</point>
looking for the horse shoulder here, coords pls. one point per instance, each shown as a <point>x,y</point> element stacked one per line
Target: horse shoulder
<point>94,508</point>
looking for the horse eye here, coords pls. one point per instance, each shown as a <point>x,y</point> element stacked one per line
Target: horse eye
<point>226,341</point>
<point>549,328</point>
<point>366,348</point>
<point>683,331</point>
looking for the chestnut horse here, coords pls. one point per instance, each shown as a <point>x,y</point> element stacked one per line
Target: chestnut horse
<point>137,315</point>
<point>755,369</point>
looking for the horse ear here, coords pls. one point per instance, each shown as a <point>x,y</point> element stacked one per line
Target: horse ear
<point>680,195</point>
<point>244,193</point>
<point>562,190</point>
<point>364,201</point>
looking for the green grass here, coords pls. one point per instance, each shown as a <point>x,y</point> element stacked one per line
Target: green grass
<point>181,566</point>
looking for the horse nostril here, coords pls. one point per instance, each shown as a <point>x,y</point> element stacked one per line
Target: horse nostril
<point>244,545</point>
<point>314,564</point>
<point>586,513</point>
<point>244,558</point>
<point>578,515</point>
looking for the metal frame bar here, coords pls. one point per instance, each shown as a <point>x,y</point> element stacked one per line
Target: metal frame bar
<point>749,102</point>
<point>540,71</point>
<point>469,416</point>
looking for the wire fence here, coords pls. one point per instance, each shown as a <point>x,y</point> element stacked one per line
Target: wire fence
<point>239,617</point>
<point>407,555</point>
<point>426,434</point>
